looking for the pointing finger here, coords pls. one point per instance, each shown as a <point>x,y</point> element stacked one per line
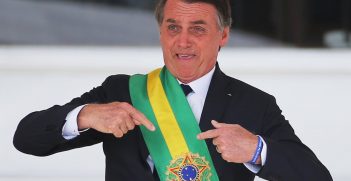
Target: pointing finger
<point>144,121</point>
<point>139,118</point>
<point>208,134</point>
<point>136,122</point>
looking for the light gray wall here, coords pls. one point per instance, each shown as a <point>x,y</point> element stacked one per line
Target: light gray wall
<point>312,88</point>
<point>59,22</point>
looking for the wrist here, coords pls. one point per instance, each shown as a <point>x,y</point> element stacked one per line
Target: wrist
<point>256,158</point>
<point>82,118</point>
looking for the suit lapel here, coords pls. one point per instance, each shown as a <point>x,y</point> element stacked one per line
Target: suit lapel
<point>216,100</point>
<point>216,103</point>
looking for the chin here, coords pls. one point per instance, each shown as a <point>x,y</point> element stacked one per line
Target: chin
<point>186,77</point>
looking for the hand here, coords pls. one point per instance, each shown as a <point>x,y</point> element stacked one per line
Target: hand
<point>117,118</point>
<point>233,142</point>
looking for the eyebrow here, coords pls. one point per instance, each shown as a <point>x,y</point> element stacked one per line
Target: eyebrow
<point>171,21</point>
<point>192,22</point>
<point>197,22</point>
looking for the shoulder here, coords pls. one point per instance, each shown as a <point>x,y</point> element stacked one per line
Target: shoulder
<point>118,78</point>
<point>246,90</point>
<point>116,87</point>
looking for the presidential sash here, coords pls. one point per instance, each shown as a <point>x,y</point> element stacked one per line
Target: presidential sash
<point>173,146</point>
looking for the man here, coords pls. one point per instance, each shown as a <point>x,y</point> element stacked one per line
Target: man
<point>218,129</point>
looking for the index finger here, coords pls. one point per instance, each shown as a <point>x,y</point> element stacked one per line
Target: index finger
<point>144,121</point>
<point>213,133</point>
<point>140,118</point>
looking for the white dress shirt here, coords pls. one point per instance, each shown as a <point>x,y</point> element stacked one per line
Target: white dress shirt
<point>196,100</point>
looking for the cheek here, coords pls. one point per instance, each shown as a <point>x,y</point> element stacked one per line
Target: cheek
<point>209,51</point>
<point>166,49</point>
<point>166,43</point>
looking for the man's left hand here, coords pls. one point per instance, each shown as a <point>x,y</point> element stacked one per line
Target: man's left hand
<point>233,142</point>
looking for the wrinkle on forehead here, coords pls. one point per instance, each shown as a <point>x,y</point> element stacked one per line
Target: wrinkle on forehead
<point>193,8</point>
<point>180,8</point>
<point>195,11</point>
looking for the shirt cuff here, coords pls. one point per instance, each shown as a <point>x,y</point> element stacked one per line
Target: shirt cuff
<point>256,168</point>
<point>70,128</point>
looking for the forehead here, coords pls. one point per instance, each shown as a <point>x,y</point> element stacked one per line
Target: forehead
<point>180,10</point>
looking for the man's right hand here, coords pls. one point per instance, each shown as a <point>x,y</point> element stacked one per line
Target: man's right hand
<point>116,118</point>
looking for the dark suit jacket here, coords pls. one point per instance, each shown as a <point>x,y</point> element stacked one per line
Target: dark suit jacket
<point>228,100</point>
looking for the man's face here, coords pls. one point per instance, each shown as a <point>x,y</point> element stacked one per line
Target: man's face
<point>190,37</point>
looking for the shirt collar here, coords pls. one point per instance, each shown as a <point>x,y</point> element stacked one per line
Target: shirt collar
<point>201,85</point>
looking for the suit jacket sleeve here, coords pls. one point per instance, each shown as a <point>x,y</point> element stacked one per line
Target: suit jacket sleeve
<point>40,133</point>
<point>287,157</point>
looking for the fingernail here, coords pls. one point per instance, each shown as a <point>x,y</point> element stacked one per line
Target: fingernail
<point>153,128</point>
<point>198,137</point>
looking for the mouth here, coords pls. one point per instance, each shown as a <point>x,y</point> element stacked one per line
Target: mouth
<point>185,56</point>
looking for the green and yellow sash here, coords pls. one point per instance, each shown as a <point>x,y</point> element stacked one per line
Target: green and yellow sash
<point>174,148</point>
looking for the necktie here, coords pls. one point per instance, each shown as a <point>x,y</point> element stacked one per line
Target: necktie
<point>186,89</point>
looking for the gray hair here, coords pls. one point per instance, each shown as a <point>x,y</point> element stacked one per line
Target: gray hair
<point>222,6</point>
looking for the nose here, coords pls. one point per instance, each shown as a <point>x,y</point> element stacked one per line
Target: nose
<point>184,40</point>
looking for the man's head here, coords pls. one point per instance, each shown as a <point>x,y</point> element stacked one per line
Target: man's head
<point>191,34</point>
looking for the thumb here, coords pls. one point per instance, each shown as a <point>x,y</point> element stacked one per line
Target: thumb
<point>219,125</point>
<point>216,124</point>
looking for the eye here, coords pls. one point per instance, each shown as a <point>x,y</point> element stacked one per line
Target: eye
<point>173,28</point>
<point>198,30</point>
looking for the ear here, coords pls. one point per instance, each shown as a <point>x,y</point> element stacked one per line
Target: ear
<point>225,37</point>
